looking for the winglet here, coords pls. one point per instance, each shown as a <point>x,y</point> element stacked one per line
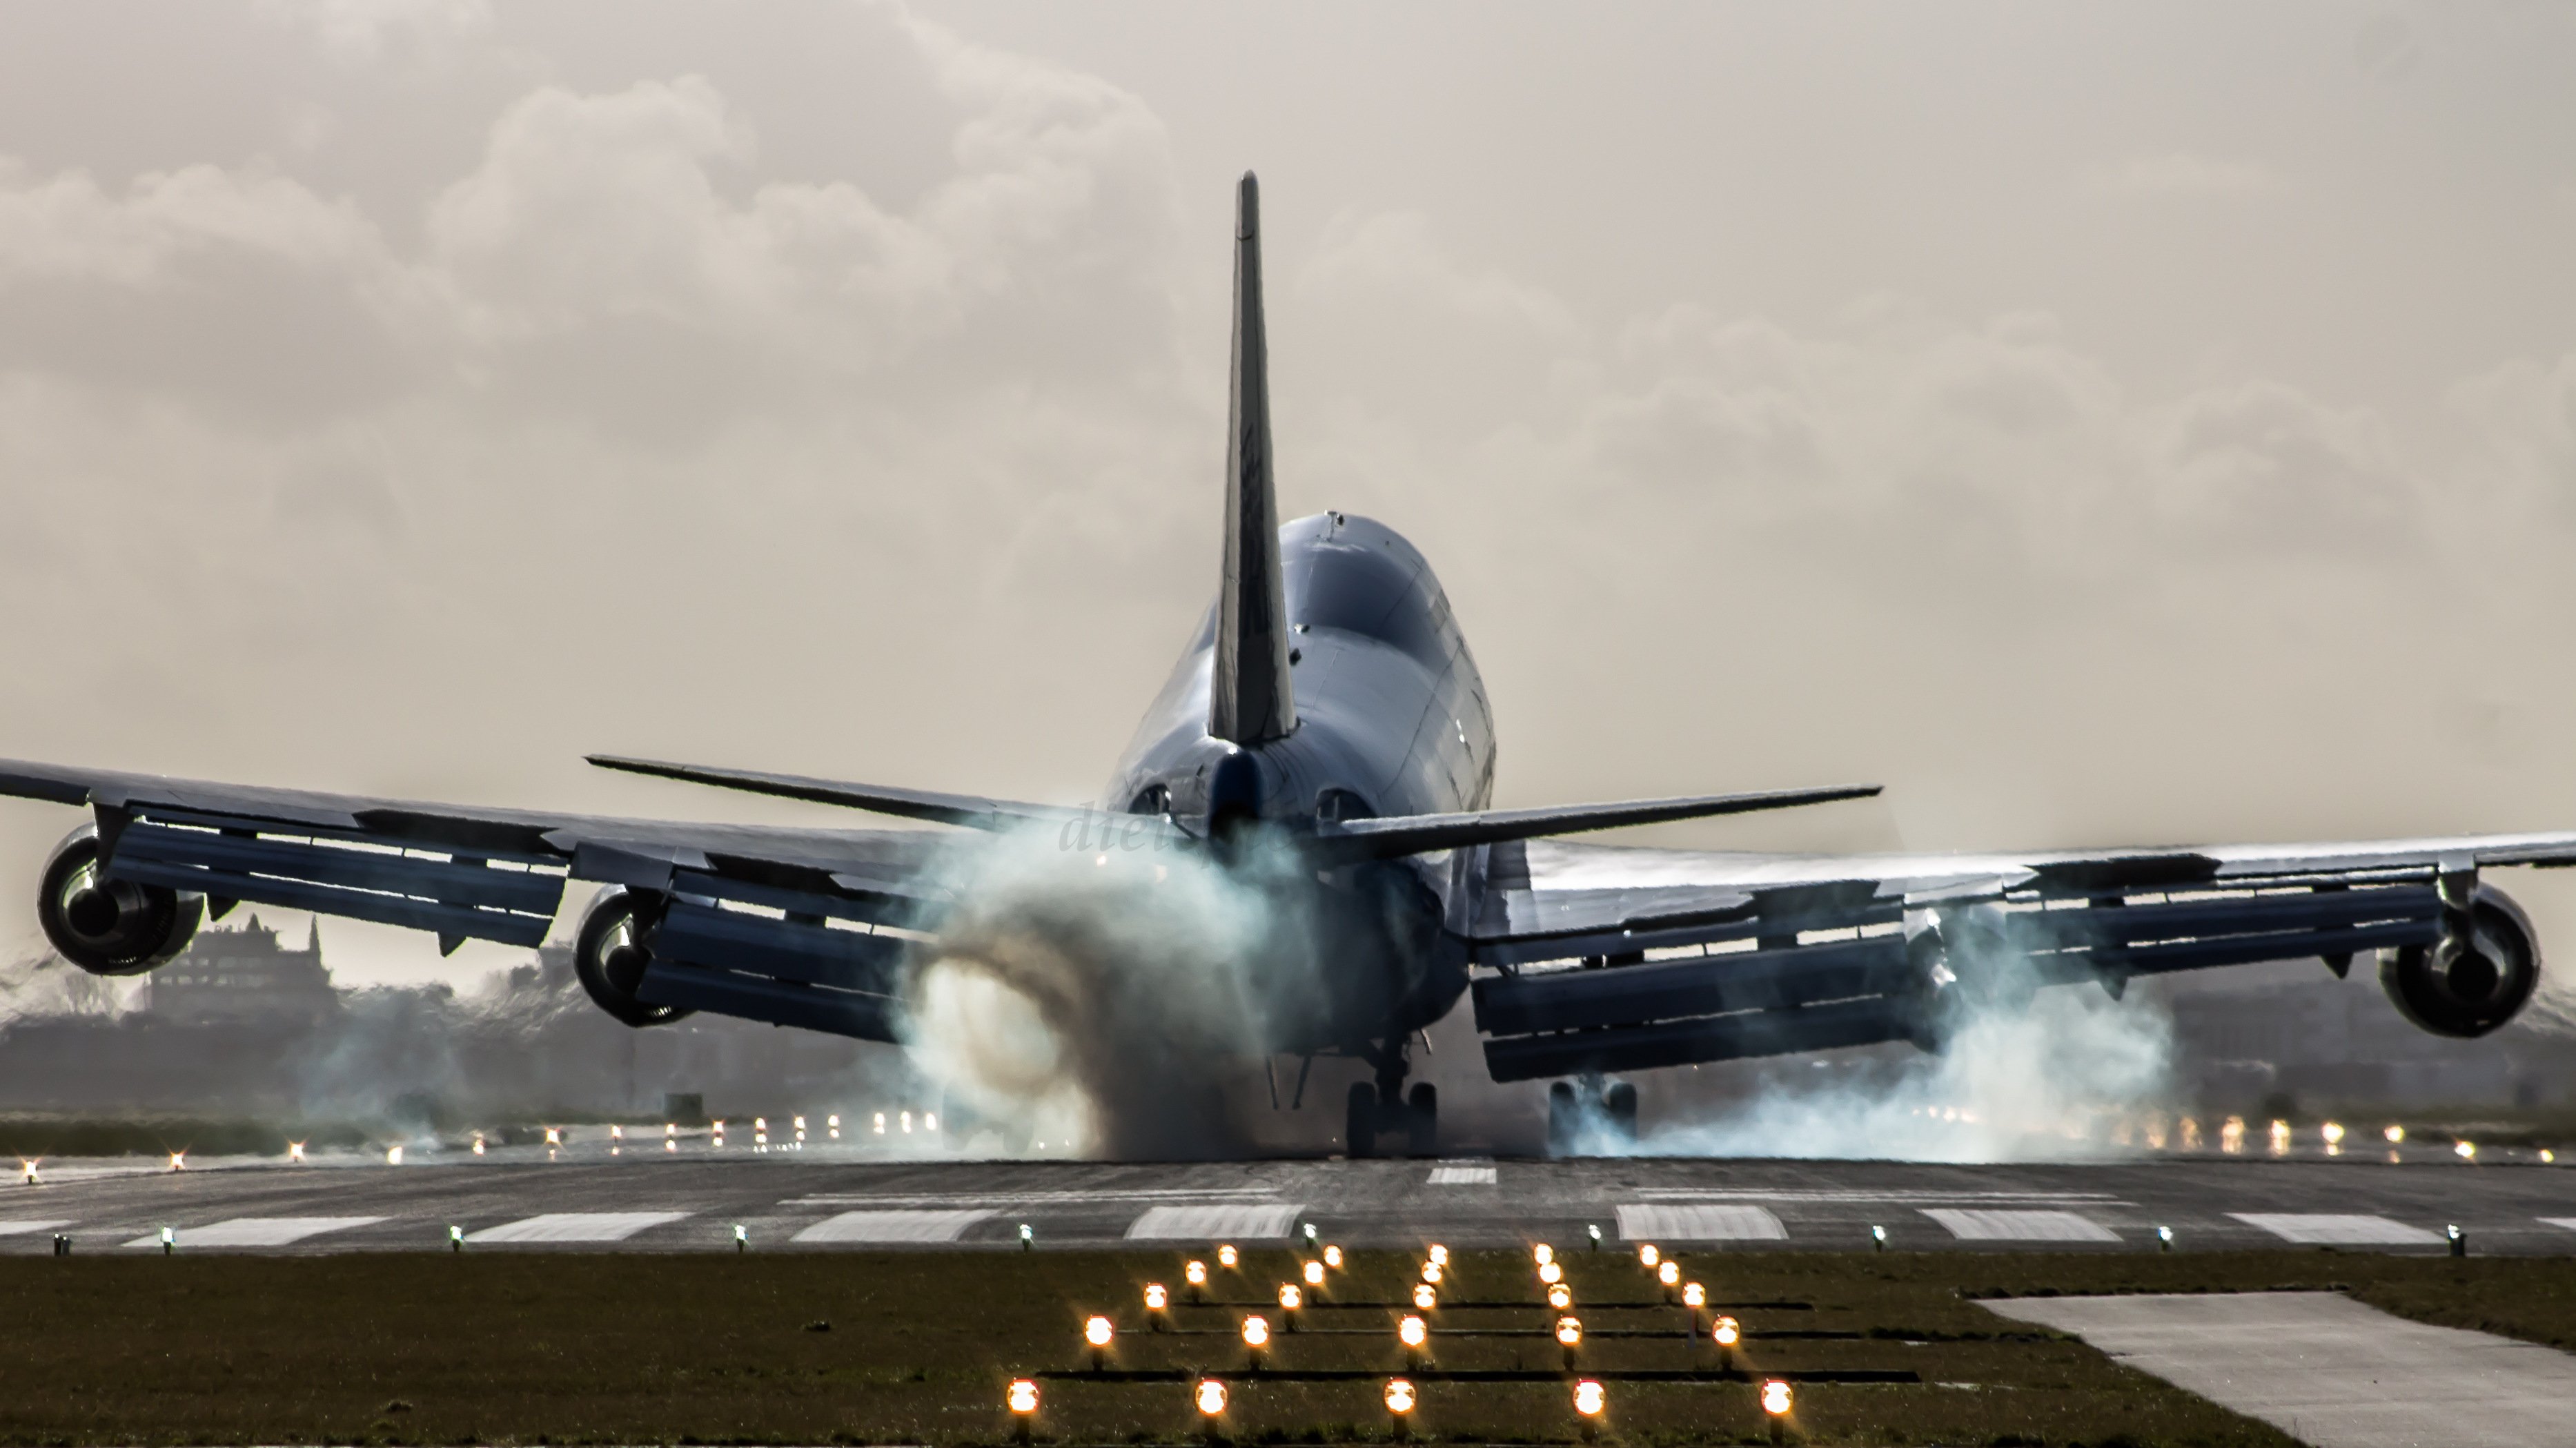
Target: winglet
<point>1249,697</point>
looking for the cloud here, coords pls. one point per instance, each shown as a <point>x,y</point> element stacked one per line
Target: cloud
<point>2178,173</point>
<point>361,30</point>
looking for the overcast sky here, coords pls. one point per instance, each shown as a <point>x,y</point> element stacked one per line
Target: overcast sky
<point>2097,423</point>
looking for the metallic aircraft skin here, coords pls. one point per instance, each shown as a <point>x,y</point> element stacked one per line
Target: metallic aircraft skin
<point>1327,738</point>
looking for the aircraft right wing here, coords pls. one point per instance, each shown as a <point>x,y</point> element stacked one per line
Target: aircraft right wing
<point>1604,958</point>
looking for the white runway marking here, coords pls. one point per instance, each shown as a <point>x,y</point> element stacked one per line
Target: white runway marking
<point>1700,1224</point>
<point>1990,1226</point>
<point>12,1229</point>
<point>257,1231</point>
<point>574,1227</point>
<point>1025,1199</point>
<point>2326,1368</point>
<point>1214,1223</point>
<point>893,1226</point>
<point>1757,1194</point>
<point>1461,1176</point>
<point>2568,1222</point>
<point>2329,1230</point>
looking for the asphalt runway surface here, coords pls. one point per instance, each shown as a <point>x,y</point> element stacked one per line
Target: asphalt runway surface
<point>646,1199</point>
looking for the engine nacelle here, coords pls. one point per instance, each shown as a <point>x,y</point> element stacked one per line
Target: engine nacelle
<point>610,955</point>
<point>2470,981</point>
<point>111,927</point>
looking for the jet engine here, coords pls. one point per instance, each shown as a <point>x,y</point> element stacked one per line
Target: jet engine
<point>111,927</point>
<point>2476,977</point>
<point>610,955</point>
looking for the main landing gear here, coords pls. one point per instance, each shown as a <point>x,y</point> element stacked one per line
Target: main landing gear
<point>1593,1118</point>
<point>1384,1109</point>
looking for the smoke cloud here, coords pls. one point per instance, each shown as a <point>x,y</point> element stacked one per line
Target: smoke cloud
<point>1115,1000</point>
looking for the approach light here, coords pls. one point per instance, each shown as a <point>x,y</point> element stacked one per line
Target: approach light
<point>1542,1254</point>
<point>1211,1398</point>
<point>1670,1274</point>
<point>2164,1239</point>
<point>741,1237</point>
<point>2547,1156</point>
<point>169,1240</point>
<point>670,1144</point>
<point>1431,1273</point>
<point>1550,1273</point>
<point>1400,1396</point>
<point>930,1121</point>
<point>1589,1399</point>
<point>27,1169</point>
<point>2332,1131</point>
<point>1593,1231</point>
<point>1097,1331</point>
<point>1290,1297</point>
<point>1439,1255</point>
<point>178,1161</point>
<point>2458,1239</point>
<point>1156,1299</point>
<point>1649,1256</point>
<point>554,1136</point>
<point>1425,1297</point>
<point>1559,1297</point>
<point>1694,1295</point>
<point>1256,1331</point>
<point>880,1123</point>
<point>393,1156</point>
<point>455,1238</point>
<point>2280,1136</point>
<point>1725,1332</point>
<point>1776,1398</point>
<point>295,1151</point>
<point>2466,1150</point>
<point>2396,1135</point>
<point>478,1144</point>
<point>1028,1238</point>
<point>1225,1257</point>
<point>1023,1396</point>
<point>1333,1258</point>
<point>1195,1273</point>
<point>1877,1238</point>
<point>1569,1330</point>
<point>1313,1272</point>
<point>1412,1333</point>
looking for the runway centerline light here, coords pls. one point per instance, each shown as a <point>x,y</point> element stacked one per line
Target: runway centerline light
<point>1333,1258</point>
<point>1314,1273</point>
<point>1558,1297</point>
<point>1776,1398</point>
<point>1649,1256</point>
<point>1225,1257</point>
<point>1550,1273</point>
<point>1211,1398</point>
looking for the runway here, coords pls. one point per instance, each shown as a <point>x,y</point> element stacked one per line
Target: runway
<point>652,1201</point>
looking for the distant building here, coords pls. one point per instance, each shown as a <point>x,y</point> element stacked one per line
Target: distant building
<point>246,975</point>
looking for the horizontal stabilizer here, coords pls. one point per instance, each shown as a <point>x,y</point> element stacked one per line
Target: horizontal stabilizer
<point>1383,839</point>
<point>919,804</point>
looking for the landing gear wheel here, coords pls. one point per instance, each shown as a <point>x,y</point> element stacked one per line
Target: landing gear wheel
<point>1619,1104</point>
<point>1359,1125</point>
<point>1422,1121</point>
<point>1562,1119</point>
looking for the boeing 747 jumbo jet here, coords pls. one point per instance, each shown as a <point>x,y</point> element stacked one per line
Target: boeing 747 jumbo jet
<point>1328,709</point>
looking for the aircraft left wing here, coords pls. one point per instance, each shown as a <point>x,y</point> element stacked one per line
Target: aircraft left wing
<point>802,927</point>
<point>1604,958</point>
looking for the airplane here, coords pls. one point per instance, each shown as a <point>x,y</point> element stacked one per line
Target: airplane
<point>1328,707</point>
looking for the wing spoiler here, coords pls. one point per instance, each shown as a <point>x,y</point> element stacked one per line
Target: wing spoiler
<point>1382,839</point>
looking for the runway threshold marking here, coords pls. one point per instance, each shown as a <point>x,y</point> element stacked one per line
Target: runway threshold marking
<point>575,1227</point>
<point>1970,1225</point>
<point>897,1226</point>
<point>1460,1176</point>
<point>19,1228</point>
<point>2567,1222</point>
<point>1661,1222</point>
<point>2326,1229</point>
<point>257,1231</point>
<point>1252,1222</point>
<point>2331,1370</point>
<point>1898,1195</point>
<point>1024,1199</point>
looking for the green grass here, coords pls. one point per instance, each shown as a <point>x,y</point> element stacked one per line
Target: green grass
<point>562,1348</point>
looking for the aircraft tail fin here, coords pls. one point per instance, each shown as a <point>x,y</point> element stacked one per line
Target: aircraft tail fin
<point>1250,699</point>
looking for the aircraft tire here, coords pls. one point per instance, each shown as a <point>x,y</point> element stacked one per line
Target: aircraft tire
<point>1422,1120</point>
<point>1359,1122</point>
<point>1561,1118</point>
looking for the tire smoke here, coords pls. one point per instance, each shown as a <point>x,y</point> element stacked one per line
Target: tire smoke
<point>1116,1000</point>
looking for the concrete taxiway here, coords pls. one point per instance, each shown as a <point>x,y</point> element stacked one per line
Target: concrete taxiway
<point>649,1200</point>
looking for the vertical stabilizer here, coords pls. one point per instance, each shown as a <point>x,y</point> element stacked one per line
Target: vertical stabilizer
<point>1250,699</point>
